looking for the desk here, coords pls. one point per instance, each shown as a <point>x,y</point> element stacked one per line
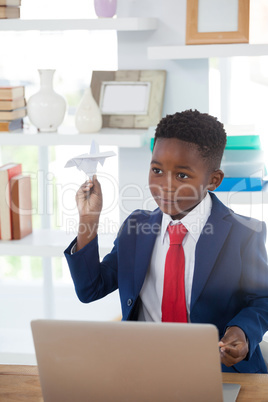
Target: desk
<point>21,383</point>
<point>254,387</point>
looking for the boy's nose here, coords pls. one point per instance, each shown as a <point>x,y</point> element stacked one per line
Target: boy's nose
<point>168,183</point>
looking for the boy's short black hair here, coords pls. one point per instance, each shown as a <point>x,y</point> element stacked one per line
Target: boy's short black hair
<point>201,129</point>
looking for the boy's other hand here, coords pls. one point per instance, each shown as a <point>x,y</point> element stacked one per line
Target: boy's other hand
<point>233,346</point>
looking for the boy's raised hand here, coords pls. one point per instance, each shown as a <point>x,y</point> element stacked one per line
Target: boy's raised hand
<point>89,198</point>
<point>89,204</point>
<point>233,346</point>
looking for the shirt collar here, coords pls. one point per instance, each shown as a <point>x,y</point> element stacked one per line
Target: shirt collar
<point>194,221</point>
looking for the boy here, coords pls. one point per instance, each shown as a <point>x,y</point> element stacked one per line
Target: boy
<point>223,254</point>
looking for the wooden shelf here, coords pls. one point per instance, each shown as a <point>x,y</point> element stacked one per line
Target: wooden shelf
<point>48,243</point>
<point>124,138</point>
<point>118,24</point>
<point>206,51</point>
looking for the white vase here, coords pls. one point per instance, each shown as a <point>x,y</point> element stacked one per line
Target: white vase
<point>88,118</point>
<point>46,108</point>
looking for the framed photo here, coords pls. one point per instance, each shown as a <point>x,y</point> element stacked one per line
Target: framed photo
<point>217,21</point>
<point>129,98</point>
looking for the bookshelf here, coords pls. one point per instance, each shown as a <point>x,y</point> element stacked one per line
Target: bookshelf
<point>48,243</point>
<point>125,138</point>
<point>205,51</point>
<point>118,24</point>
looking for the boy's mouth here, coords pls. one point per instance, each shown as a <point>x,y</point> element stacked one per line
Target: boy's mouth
<point>165,200</point>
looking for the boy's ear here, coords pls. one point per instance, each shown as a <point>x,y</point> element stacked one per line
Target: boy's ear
<point>215,179</point>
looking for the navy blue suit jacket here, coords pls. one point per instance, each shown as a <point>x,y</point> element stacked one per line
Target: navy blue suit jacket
<point>230,283</point>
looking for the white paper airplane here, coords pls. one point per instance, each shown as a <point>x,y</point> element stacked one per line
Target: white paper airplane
<point>88,162</point>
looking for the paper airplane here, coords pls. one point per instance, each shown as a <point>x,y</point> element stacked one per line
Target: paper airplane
<point>88,162</point>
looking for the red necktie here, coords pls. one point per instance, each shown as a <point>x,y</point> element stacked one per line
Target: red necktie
<point>173,302</point>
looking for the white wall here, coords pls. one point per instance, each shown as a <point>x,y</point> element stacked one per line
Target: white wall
<point>187,80</point>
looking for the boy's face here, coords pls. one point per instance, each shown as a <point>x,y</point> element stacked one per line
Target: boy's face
<point>179,177</point>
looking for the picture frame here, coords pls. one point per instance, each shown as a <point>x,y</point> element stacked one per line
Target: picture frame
<point>217,21</point>
<point>129,98</point>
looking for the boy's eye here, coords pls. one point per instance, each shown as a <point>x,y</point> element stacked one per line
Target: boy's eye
<point>156,170</point>
<point>182,176</point>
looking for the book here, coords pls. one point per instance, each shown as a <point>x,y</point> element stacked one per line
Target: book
<point>243,142</point>
<point>240,184</point>
<point>13,92</point>
<point>9,12</point>
<point>13,114</point>
<point>243,162</point>
<point>243,155</point>
<point>6,173</point>
<point>12,103</point>
<point>11,125</point>
<point>21,206</point>
<point>243,169</point>
<point>10,3</point>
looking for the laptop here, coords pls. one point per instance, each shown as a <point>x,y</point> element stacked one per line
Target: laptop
<point>129,362</point>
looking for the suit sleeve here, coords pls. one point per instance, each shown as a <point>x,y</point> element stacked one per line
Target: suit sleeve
<point>92,279</point>
<point>253,319</point>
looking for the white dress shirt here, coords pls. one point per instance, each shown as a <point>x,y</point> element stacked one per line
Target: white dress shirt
<point>152,290</point>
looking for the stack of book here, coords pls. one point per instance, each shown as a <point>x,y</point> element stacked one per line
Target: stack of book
<point>15,202</point>
<point>12,107</point>
<point>243,164</point>
<point>10,9</point>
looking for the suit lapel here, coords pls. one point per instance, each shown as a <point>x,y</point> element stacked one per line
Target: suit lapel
<point>148,231</point>
<point>209,246</point>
